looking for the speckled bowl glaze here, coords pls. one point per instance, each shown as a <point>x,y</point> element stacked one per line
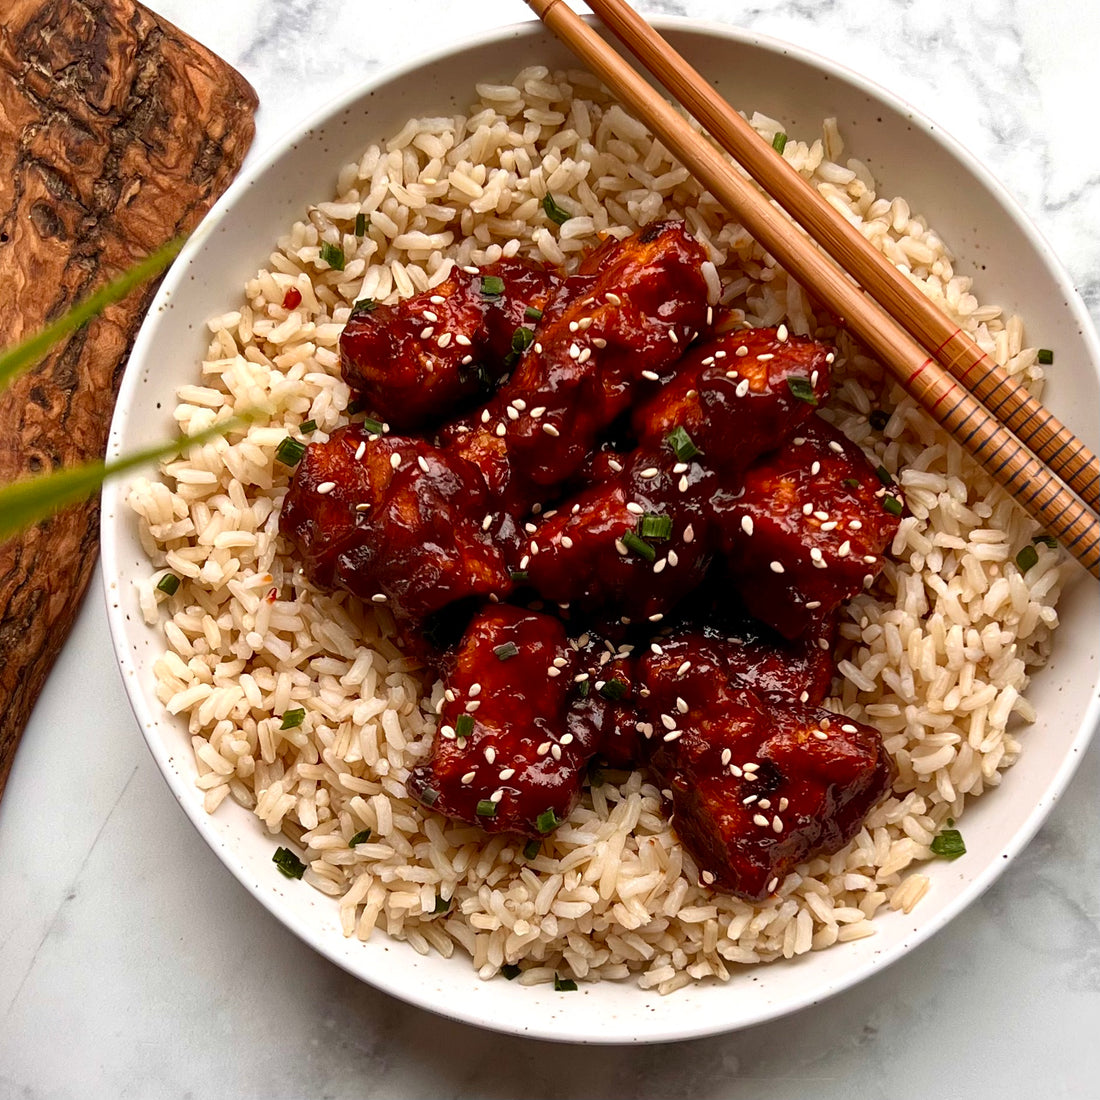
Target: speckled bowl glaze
<point>910,155</point>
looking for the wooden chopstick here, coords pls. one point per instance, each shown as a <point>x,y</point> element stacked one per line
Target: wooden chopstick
<point>1034,487</point>
<point>1032,423</point>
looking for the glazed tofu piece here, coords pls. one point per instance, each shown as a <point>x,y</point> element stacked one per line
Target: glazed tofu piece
<point>393,520</point>
<point>504,756</point>
<point>737,396</point>
<point>756,785</point>
<point>632,545</point>
<point>808,528</point>
<point>644,300</point>
<point>420,361</point>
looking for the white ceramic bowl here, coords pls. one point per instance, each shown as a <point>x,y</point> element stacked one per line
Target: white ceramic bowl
<point>1012,265</point>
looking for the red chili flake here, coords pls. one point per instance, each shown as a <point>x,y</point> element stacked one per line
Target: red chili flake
<point>272,596</point>
<point>292,299</point>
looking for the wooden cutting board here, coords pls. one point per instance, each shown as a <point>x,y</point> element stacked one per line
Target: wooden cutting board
<point>117,133</point>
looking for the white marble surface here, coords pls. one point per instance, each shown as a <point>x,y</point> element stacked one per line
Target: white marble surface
<point>105,990</point>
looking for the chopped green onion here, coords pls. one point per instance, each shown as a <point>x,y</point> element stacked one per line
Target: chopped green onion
<point>1045,356</point>
<point>361,223</point>
<point>564,985</point>
<point>522,339</point>
<point>547,821</point>
<point>486,808</point>
<point>356,405</point>
<point>290,451</point>
<point>779,142</point>
<point>681,443</point>
<point>429,796</point>
<point>364,305</point>
<point>850,483</point>
<point>632,542</point>
<point>333,255</point>
<point>883,475</point>
<point>464,725</point>
<point>375,427</point>
<point>582,689</point>
<point>613,690</point>
<point>1026,558</point>
<point>360,837</point>
<point>801,388</point>
<point>168,584</point>
<point>533,313</point>
<point>1046,540</point>
<point>492,286</point>
<point>441,904</point>
<point>503,652</point>
<point>554,212</point>
<point>879,419</point>
<point>892,505</point>
<point>307,426</point>
<point>288,863</point>
<point>292,719</point>
<point>531,849</point>
<point>653,526</point>
<point>518,574</point>
<point>510,971</point>
<point>949,844</point>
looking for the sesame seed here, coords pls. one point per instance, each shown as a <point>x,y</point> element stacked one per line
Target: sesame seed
<point>472,705</point>
<point>742,388</point>
<point>673,735</point>
<point>487,522</point>
<point>673,559</point>
<point>469,777</point>
<point>466,360</point>
<point>496,796</point>
<point>422,462</point>
<point>707,877</point>
<point>689,533</point>
<point>772,884</point>
<point>683,484</point>
<point>573,326</point>
<point>524,562</point>
<point>760,819</point>
<point>781,333</point>
<point>426,333</point>
<point>567,542</point>
<point>475,691</point>
<point>552,671</point>
<point>574,351</point>
<point>668,721</point>
<point>815,469</point>
<point>765,357</point>
<point>437,299</point>
<point>709,361</point>
<point>776,567</point>
<point>585,355</point>
<point>835,447</point>
<point>813,605</point>
<point>821,735</point>
<point>500,429</point>
<point>830,526</point>
<point>815,554</point>
<point>710,315</point>
<point>649,471</point>
<point>538,348</point>
<point>747,525</point>
<point>813,378</point>
<point>326,487</point>
<point>620,546</point>
<point>680,468</point>
<point>683,668</point>
<point>485,418</point>
<point>617,467</point>
<point>360,450</point>
<point>448,732</point>
<point>613,298</point>
<point>444,340</point>
<point>449,695</point>
<point>819,514</point>
<point>580,677</point>
<point>471,270</point>
<point>462,340</point>
<point>765,803</point>
<point>555,751</point>
<point>736,771</point>
<point>777,825</point>
<point>490,753</point>
<point>672,336</point>
<point>379,597</point>
<point>550,430</point>
<point>567,739</point>
<point>599,342</point>
<point>844,549</point>
<point>807,509</point>
<point>681,706</point>
<point>869,559</point>
<point>783,804</point>
<point>830,358</point>
<point>656,618</point>
<point>849,728</point>
<point>513,414</point>
<point>507,774</point>
<point>855,525</point>
<point>751,766</point>
<point>748,801</point>
<point>659,565</point>
<point>635,508</point>
<point>726,757</point>
<point>543,749</point>
<point>530,528</point>
<point>655,649</point>
<point>584,324</point>
<point>651,375</point>
<point>534,548</point>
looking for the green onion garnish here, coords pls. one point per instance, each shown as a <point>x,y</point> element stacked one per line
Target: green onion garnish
<point>503,652</point>
<point>522,339</point>
<point>801,388</point>
<point>288,863</point>
<point>531,849</point>
<point>292,719</point>
<point>307,426</point>
<point>681,443</point>
<point>1026,558</point>
<point>582,689</point>
<point>360,837</point>
<point>1046,540</point>
<point>883,475</point>
<point>879,419</point>
<point>892,505</point>
<point>464,725</point>
<point>333,255</point>
<point>290,451</point>
<point>533,313</point>
<point>779,142</point>
<point>169,584</point>
<point>632,542</point>
<point>564,985</point>
<point>1045,356</point>
<point>850,483</point>
<point>361,223</point>
<point>441,904</point>
<point>547,821</point>
<point>486,808</point>
<point>518,574</point>
<point>554,212</point>
<point>510,971</point>
<point>654,526</point>
<point>613,690</point>
<point>492,286</point>
<point>429,796</point>
<point>949,844</point>
<point>364,305</point>
<point>375,427</point>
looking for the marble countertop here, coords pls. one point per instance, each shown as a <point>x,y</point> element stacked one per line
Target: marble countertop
<point>106,992</point>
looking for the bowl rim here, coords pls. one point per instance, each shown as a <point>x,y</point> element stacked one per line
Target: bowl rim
<point>114,506</point>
